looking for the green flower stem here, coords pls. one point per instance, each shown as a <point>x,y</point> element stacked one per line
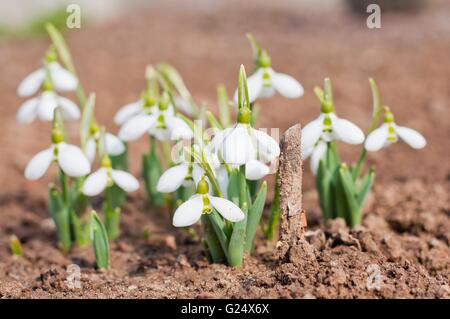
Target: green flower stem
<point>373,124</point>
<point>112,215</point>
<point>274,217</point>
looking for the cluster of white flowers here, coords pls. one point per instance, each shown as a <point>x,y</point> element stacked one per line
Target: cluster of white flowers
<point>70,158</point>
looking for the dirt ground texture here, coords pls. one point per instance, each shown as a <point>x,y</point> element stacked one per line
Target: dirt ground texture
<point>402,248</point>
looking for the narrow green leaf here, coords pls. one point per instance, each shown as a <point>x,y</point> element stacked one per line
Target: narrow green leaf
<point>254,216</point>
<point>365,186</point>
<point>100,242</point>
<point>60,215</point>
<point>237,240</point>
<point>87,116</point>
<point>213,121</point>
<point>224,108</point>
<point>350,195</point>
<point>212,242</point>
<point>61,46</point>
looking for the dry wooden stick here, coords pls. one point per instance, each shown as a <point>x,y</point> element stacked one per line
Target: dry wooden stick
<point>292,216</point>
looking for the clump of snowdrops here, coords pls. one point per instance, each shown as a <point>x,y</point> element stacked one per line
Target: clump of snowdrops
<point>341,187</point>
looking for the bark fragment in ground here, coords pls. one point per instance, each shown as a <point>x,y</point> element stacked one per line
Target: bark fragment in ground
<point>292,216</point>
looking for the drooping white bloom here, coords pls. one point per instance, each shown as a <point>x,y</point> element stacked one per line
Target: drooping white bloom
<point>43,107</point>
<point>244,145</point>
<point>183,174</point>
<point>69,157</point>
<point>265,81</point>
<point>161,124</point>
<point>202,203</point>
<point>389,133</point>
<point>62,80</point>
<point>113,145</point>
<point>106,176</point>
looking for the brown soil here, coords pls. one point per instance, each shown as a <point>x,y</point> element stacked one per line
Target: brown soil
<point>406,229</point>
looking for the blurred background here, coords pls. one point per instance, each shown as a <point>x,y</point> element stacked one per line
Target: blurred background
<point>205,40</point>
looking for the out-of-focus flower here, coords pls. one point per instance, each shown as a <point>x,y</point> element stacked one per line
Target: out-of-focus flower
<point>106,176</point>
<point>389,133</point>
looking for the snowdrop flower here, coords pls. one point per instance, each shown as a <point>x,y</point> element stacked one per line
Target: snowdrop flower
<point>265,81</point>
<point>43,107</point>
<point>113,145</point>
<point>326,128</point>
<point>62,79</point>
<point>202,203</point>
<point>184,174</point>
<point>244,145</point>
<point>145,104</point>
<point>162,124</point>
<point>69,157</point>
<point>389,133</point>
<point>106,176</point>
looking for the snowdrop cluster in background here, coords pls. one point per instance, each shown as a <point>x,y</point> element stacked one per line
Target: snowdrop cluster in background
<point>48,79</point>
<point>342,191</point>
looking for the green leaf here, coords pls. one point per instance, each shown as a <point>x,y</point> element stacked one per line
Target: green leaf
<point>221,230</point>
<point>319,93</point>
<point>233,186</point>
<point>350,195</point>
<point>256,49</point>
<point>365,186</point>
<point>60,215</point>
<point>254,216</point>
<point>15,246</point>
<point>151,173</point>
<point>81,228</point>
<point>87,116</point>
<point>274,217</point>
<point>213,121</point>
<point>324,182</point>
<point>224,108</point>
<point>212,242</point>
<point>61,47</point>
<point>237,240</point>
<point>99,241</point>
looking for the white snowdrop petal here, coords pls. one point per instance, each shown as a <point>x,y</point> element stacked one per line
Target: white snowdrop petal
<point>31,83</point>
<point>95,183</point>
<point>127,111</point>
<point>39,164</point>
<point>287,86</point>
<point>172,178</point>
<point>46,106</point>
<point>223,180</point>
<point>124,180</point>
<point>411,137</point>
<point>136,126</point>
<point>69,108</point>
<point>63,80</point>
<point>178,128</point>
<point>267,146</point>
<point>90,149</point>
<point>27,111</point>
<point>237,146</point>
<point>217,141</point>
<point>255,170</point>
<point>318,153</point>
<point>377,138</point>
<point>227,208</point>
<point>72,160</point>
<point>114,146</point>
<point>347,131</point>
<point>189,212</point>
<point>311,133</point>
